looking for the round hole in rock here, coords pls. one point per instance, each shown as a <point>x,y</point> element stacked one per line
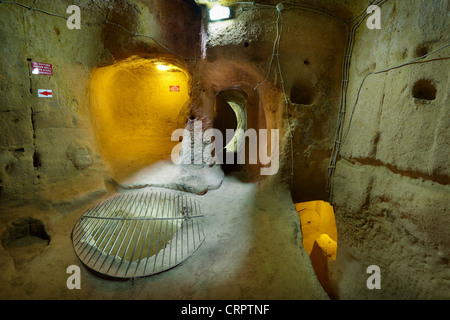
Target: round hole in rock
<point>424,90</point>
<point>25,238</point>
<point>302,94</point>
<point>422,50</point>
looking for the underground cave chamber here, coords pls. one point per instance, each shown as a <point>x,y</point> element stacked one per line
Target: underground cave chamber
<point>279,151</point>
<point>136,104</point>
<point>117,238</point>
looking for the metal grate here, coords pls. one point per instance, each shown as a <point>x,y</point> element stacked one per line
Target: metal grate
<point>138,234</point>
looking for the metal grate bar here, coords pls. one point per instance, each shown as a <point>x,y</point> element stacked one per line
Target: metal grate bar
<point>159,236</point>
<point>111,236</point>
<point>92,236</point>
<point>83,225</point>
<point>165,234</point>
<point>106,227</point>
<point>121,238</point>
<point>146,232</point>
<point>131,237</point>
<point>139,234</point>
<point>153,234</point>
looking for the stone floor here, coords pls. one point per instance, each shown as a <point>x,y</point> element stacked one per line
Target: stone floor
<point>252,251</point>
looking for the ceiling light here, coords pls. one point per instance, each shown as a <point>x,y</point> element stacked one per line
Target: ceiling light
<point>163,67</point>
<point>219,12</point>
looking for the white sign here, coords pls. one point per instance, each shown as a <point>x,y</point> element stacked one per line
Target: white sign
<point>45,93</point>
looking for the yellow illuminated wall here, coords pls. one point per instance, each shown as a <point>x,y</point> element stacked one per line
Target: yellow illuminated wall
<point>317,218</point>
<point>319,237</point>
<point>135,107</point>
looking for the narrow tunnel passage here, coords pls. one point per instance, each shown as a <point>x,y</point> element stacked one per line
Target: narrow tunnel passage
<point>238,110</point>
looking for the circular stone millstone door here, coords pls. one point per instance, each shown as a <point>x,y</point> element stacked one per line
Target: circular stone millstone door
<point>138,234</point>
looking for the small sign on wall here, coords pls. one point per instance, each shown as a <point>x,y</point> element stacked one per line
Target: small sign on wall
<point>41,68</point>
<point>44,93</point>
<point>175,88</point>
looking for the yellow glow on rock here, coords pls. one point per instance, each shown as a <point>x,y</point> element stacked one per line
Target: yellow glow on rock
<point>319,237</point>
<point>317,218</point>
<point>162,67</point>
<point>134,111</point>
<point>327,246</point>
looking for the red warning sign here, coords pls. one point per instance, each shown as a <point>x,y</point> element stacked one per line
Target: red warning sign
<point>175,89</point>
<point>41,68</point>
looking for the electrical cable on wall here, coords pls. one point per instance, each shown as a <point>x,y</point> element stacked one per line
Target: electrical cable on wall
<point>286,101</point>
<point>343,100</point>
<point>285,5</point>
<point>341,135</point>
<point>357,21</point>
<point>383,71</point>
